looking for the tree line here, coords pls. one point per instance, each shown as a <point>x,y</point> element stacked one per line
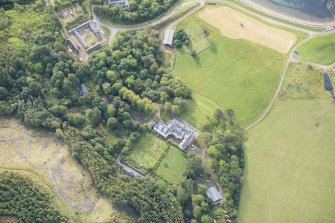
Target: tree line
<point>225,141</point>
<point>136,12</point>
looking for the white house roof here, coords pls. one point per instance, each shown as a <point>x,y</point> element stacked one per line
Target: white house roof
<point>178,130</point>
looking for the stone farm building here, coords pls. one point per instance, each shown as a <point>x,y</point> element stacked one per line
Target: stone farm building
<point>73,45</point>
<point>178,130</point>
<point>95,29</point>
<point>168,37</point>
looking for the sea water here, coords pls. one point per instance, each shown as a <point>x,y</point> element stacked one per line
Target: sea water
<point>314,11</point>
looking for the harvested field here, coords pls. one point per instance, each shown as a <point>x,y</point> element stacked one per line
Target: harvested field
<point>236,25</point>
<point>45,159</point>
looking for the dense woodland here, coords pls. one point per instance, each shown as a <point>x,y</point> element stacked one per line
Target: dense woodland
<point>20,198</point>
<point>40,85</point>
<point>136,12</point>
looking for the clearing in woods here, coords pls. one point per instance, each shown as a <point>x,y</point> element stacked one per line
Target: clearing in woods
<point>236,25</point>
<point>290,171</point>
<point>45,159</point>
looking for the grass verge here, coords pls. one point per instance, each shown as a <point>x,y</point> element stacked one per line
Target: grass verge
<point>319,49</point>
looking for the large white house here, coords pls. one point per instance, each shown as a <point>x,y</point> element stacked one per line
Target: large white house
<point>178,130</point>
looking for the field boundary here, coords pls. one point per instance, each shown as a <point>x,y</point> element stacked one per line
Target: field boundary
<point>161,158</point>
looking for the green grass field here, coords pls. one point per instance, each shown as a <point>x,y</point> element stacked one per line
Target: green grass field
<point>290,171</point>
<point>173,166</point>
<point>198,40</point>
<point>235,74</point>
<point>199,110</point>
<point>147,152</point>
<point>319,49</point>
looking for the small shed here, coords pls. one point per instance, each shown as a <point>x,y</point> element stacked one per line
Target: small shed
<point>168,37</point>
<point>327,82</point>
<point>214,194</point>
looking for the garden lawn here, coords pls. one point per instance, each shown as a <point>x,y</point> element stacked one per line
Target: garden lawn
<point>147,152</point>
<point>236,74</point>
<point>173,166</point>
<point>290,171</point>
<point>319,49</point>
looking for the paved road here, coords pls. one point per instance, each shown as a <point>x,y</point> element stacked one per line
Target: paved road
<point>148,24</point>
<point>329,28</point>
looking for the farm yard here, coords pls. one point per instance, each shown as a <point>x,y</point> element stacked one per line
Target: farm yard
<point>47,161</point>
<point>319,49</point>
<point>289,175</point>
<point>232,73</point>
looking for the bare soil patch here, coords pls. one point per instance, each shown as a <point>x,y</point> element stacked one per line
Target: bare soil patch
<point>236,25</point>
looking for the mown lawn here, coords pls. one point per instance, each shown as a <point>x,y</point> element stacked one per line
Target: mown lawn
<point>319,49</point>
<point>235,74</point>
<point>146,152</point>
<point>290,171</point>
<point>173,166</point>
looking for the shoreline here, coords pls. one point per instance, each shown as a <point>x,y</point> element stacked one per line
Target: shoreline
<point>274,10</point>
